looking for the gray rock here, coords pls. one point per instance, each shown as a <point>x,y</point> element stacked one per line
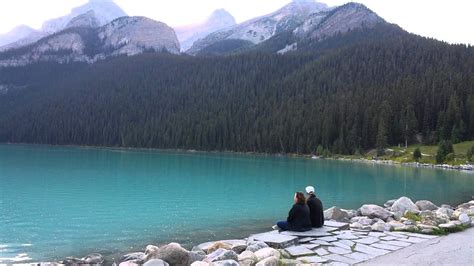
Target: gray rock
<point>403,205</point>
<point>156,262</point>
<point>200,263</point>
<point>447,225</point>
<point>334,213</point>
<point>444,212</point>
<point>130,263</point>
<point>297,251</point>
<point>374,211</point>
<point>276,240</point>
<point>239,248</point>
<point>221,254</point>
<point>256,246</point>
<point>464,219</point>
<point>172,253</point>
<point>389,203</point>
<point>270,261</point>
<point>247,258</point>
<point>381,226</point>
<point>289,262</point>
<point>225,263</point>
<point>267,252</point>
<point>94,258</point>
<point>426,205</point>
<point>135,256</point>
<point>196,256</point>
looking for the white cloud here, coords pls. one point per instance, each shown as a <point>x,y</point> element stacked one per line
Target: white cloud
<point>451,21</point>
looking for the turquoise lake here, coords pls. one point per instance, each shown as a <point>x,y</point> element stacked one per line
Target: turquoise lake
<point>65,201</point>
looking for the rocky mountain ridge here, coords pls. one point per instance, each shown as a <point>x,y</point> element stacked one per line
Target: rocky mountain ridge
<point>218,20</point>
<point>94,13</point>
<point>123,36</point>
<point>262,28</point>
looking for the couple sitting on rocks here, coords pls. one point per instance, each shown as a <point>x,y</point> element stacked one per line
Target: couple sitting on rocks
<point>305,213</point>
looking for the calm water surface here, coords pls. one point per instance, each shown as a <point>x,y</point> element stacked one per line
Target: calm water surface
<point>58,201</point>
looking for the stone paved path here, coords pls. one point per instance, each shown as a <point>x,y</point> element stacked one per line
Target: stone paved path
<point>454,249</point>
<point>341,246</point>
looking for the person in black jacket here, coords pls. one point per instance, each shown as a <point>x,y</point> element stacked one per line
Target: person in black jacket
<point>315,208</point>
<point>298,217</point>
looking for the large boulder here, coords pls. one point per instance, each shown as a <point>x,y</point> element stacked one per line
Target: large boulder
<point>334,213</point>
<point>403,205</point>
<point>374,211</point>
<point>270,261</point>
<point>426,205</point>
<point>362,220</point>
<point>431,218</point>
<point>247,258</point>
<point>172,253</point>
<point>267,252</point>
<point>221,254</point>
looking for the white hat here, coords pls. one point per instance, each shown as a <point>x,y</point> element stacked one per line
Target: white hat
<point>309,189</point>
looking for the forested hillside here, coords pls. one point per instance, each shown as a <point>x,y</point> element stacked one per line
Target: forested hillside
<point>349,98</point>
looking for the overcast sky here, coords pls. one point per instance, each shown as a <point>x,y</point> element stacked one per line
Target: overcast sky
<point>448,20</point>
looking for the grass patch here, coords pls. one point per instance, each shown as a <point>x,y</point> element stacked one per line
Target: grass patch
<point>413,216</point>
<point>446,231</point>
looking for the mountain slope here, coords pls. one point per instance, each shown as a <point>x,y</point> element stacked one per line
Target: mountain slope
<point>218,20</point>
<point>263,28</point>
<point>347,99</point>
<point>123,36</point>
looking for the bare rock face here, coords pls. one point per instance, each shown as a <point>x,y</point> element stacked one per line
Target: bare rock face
<point>88,20</point>
<point>134,35</point>
<point>83,43</point>
<point>218,20</point>
<point>104,10</point>
<point>260,29</point>
<point>326,24</point>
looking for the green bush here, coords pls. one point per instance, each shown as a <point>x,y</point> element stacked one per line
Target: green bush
<point>445,147</point>
<point>417,154</point>
<point>470,153</point>
<point>450,157</point>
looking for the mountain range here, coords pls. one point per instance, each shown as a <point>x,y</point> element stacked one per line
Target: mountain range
<point>74,37</point>
<point>306,77</point>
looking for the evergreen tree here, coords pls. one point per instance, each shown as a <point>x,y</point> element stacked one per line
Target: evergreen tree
<point>417,154</point>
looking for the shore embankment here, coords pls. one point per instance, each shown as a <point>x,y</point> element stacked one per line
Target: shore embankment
<point>348,236</point>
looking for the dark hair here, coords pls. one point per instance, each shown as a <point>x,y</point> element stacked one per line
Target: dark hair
<point>300,198</point>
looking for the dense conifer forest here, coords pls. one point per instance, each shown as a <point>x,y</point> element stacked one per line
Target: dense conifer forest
<point>348,98</point>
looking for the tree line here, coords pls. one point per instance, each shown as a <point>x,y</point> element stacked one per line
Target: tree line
<point>347,100</point>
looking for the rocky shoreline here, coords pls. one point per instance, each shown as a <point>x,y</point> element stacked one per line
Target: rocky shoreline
<point>348,237</point>
<point>461,167</point>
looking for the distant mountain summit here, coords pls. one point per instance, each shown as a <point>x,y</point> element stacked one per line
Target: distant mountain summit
<point>104,11</point>
<point>95,13</point>
<point>260,29</point>
<point>218,20</point>
<point>16,34</point>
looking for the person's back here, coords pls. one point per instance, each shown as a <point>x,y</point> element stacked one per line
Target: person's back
<point>316,208</point>
<point>316,211</point>
<point>299,218</point>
